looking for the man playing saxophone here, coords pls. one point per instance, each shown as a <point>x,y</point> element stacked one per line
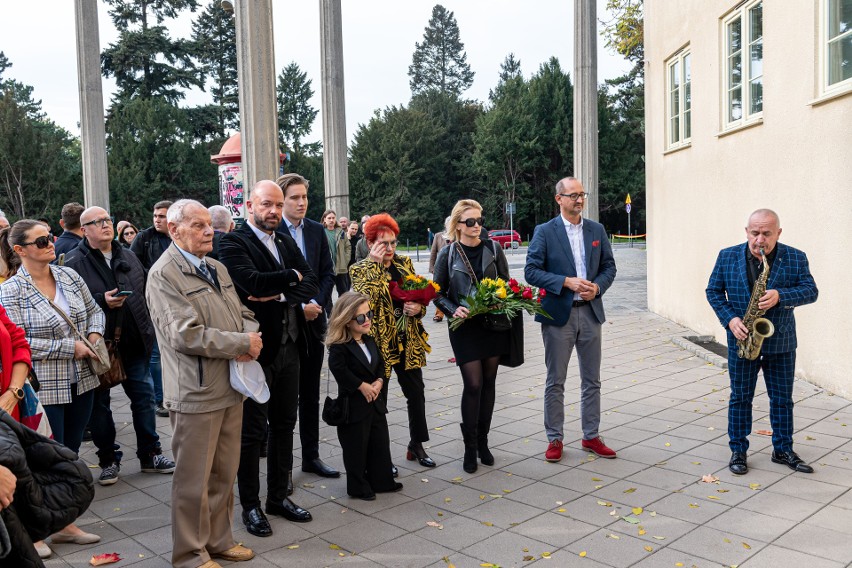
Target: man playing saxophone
<point>740,293</point>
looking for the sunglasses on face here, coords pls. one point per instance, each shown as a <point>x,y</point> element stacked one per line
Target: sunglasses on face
<point>361,319</point>
<point>126,233</point>
<point>473,221</point>
<point>41,242</point>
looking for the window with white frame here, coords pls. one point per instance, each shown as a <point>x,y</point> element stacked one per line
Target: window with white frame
<point>837,44</point>
<point>678,100</point>
<point>742,33</point>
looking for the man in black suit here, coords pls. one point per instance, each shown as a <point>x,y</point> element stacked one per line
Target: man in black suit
<point>272,280</point>
<point>310,238</point>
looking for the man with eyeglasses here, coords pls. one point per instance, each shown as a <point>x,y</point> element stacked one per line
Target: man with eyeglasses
<point>116,279</point>
<point>571,258</point>
<point>273,280</point>
<point>149,245</point>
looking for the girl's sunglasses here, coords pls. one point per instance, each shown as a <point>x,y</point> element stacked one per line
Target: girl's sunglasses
<point>41,242</point>
<point>474,221</point>
<point>361,319</point>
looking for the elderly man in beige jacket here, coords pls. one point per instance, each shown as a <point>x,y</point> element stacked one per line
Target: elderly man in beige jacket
<point>201,326</point>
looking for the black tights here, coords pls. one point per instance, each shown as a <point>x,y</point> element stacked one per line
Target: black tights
<point>480,378</point>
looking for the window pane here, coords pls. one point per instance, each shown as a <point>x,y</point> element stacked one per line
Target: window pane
<point>756,22</point>
<point>674,133</point>
<point>839,17</point>
<point>756,91</point>
<point>687,125</point>
<point>674,103</point>
<point>735,74</point>
<point>840,59</point>
<point>687,97</point>
<point>734,36</point>
<point>735,105</point>
<point>755,65</point>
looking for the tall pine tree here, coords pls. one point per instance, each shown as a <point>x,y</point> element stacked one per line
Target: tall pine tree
<point>440,62</point>
<point>295,114</point>
<point>214,45</point>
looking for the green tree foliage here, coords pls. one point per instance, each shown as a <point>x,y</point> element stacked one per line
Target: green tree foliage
<point>295,114</point>
<point>624,33</point>
<point>39,160</point>
<point>146,61</point>
<point>440,62</point>
<point>395,166</point>
<point>214,46</point>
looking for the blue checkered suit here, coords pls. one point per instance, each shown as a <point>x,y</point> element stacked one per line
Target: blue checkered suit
<point>728,293</point>
<point>52,343</point>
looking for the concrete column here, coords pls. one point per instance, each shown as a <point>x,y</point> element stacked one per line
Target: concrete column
<point>335,158</point>
<point>258,106</point>
<point>586,102</point>
<point>92,131</point>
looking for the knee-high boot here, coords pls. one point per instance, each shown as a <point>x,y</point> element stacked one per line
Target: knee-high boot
<point>470,447</point>
<point>486,411</point>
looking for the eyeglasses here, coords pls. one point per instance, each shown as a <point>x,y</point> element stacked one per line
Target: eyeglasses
<point>573,196</point>
<point>390,244</point>
<point>41,242</point>
<point>129,233</point>
<point>99,222</point>
<point>473,221</point>
<point>361,319</point>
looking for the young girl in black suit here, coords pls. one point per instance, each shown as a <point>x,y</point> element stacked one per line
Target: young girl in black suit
<point>357,366</point>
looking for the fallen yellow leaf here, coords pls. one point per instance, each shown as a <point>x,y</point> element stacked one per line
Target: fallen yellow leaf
<point>582,554</point>
<point>615,536</point>
<point>693,505</point>
<point>597,479</point>
<point>649,548</point>
<point>642,531</point>
<point>747,546</point>
<point>293,547</point>
<point>713,497</point>
<point>659,538</point>
<point>545,554</point>
<point>630,490</point>
<point>334,547</point>
<point>678,564</point>
<point>637,510</point>
<point>561,510</point>
<point>668,444</point>
<point>488,523</point>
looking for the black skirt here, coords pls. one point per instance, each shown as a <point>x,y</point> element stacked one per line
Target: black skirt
<point>472,342</point>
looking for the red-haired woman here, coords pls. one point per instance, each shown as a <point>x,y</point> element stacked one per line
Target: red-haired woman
<point>403,351</point>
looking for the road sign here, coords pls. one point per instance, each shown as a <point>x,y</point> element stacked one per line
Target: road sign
<point>627,207</point>
<point>510,208</point>
<point>627,201</point>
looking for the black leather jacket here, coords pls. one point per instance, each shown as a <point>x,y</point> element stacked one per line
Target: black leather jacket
<point>455,280</point>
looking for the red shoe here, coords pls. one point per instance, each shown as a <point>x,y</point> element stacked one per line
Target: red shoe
<point>598,447</point>
<point>554,451</point>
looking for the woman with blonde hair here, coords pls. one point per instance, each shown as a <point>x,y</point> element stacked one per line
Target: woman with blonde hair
<point>404,350</point>
<point>458,269</point>
<point>357,366</point>
<point>33,297</point>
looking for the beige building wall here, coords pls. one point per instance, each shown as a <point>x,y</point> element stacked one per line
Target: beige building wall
<point>797,161</point>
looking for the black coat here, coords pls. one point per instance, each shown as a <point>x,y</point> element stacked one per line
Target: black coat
<point>350,368</point>
<point>319,259</point>
<point>147,248</point>
<point>127,273</point>
<point>66,242</point>
<point>255,272</point>
<point>54,488</point>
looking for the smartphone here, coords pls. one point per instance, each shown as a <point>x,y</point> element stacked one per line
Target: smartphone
<point>123,294</point>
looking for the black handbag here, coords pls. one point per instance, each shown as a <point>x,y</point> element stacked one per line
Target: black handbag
<point>335,411</point>
<point>515,356</point>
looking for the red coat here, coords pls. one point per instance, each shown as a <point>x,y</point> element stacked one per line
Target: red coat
<point>13,349</point>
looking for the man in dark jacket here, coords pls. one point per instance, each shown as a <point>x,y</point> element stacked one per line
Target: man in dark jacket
<point>148,246</point>
<point>71,231</point>
<point>110,271</point>
<point>273,280</point>
<point>312,242</point>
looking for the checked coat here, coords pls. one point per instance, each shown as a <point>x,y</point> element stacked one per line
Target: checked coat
<point>728,293</point>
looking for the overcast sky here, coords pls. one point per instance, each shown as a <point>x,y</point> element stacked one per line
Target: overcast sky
<point>378,43</point>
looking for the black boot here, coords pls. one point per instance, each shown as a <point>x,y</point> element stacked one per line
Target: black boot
<point>485,454</point>
<point>469,435</point>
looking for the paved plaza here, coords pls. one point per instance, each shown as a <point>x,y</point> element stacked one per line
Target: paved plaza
<point>664,411</point>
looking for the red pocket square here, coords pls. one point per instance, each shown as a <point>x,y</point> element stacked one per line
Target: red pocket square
<point>595,243</point>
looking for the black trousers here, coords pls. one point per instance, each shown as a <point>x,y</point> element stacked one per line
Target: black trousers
<point>411,382</point>
<point>282,376</point>
<point>342,283</point>
<point>310,372</point>
<point>366,454</point>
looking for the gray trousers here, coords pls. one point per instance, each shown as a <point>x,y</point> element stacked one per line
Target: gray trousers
<point>584,331</point>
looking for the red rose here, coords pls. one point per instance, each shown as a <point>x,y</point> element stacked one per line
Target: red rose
<point>527,295</point>
<point>596,243</point>
<point>513,283</point>
<point>515,288</point>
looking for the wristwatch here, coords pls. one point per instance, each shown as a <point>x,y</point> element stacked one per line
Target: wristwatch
<point>18,392</point>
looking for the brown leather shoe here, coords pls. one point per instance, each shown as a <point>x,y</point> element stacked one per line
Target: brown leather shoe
<point>238,553</point>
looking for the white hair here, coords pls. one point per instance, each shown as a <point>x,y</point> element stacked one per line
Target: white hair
<point>220,217</point>
<point>175,214</point>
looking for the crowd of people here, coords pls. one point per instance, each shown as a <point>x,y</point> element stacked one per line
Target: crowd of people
<point>184,301</point>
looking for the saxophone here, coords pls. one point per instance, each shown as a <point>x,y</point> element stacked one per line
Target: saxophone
<point>759,328</point>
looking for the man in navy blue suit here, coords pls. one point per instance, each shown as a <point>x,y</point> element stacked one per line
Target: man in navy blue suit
<point>790,284</point>
<point>571,258</point>
<point>310,237</point>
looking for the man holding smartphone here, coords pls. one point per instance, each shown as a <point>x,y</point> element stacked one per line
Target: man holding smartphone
<point>116,279</point>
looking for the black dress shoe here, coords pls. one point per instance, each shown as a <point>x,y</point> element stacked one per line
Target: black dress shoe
<point>394,471</point>
<point>288,510</point>
<point>416,451</point>
<point>256,522</point>
<point>792,460</point>
<point>738,464</point>
<point>318,467</point>
<point>393,489</point>
<point>365,497</point>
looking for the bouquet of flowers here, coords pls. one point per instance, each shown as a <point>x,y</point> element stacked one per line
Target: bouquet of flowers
<point>412,288</point>
<point>500,297</point>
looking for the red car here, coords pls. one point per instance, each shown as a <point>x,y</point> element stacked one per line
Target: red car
<point>506,237</point>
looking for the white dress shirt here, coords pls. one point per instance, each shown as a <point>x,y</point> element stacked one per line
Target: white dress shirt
<point>578,248</point>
